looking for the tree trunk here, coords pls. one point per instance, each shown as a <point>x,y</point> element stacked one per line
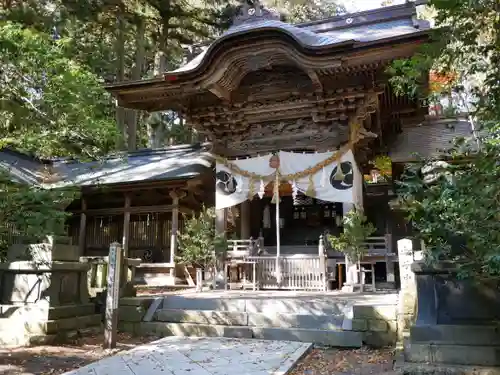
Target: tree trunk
<point>132,115</point>
<point>155,123</point>
<point>120,75</point>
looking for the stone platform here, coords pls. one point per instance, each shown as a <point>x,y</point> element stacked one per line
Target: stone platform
<point>332,318</point>
<point>202,356</point>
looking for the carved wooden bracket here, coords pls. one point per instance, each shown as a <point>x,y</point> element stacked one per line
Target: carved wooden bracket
<point>318,86</point>
<point>220,92</point>
<point>177,194</point>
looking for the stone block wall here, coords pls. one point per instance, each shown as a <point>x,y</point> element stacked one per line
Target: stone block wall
<point>378,323</point>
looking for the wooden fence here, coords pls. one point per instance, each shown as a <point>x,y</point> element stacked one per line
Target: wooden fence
<point>149,235</point>
<point>98,273</point>
<point>298,272</point>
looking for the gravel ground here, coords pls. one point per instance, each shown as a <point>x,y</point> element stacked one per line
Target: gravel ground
<point>56,360</point>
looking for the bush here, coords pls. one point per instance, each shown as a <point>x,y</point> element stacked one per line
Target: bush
<point>352,242</point>
<point>199,244</point>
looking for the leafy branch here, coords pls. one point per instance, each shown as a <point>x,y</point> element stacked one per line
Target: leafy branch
<point>352,242</point>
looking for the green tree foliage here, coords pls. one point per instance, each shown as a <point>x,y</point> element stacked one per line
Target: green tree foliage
<point>296,11</point>
<point>466,42</point>
<point>49,104</point>
<point>455,206</point>
<point>30,212</point>
<point>199,243</point>
<point>352,242</point>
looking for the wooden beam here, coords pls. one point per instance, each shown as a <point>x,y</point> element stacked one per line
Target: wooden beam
<point>121,210</point>
<point>83,229</point>
<point>126,187</point>
<point>126,224</point>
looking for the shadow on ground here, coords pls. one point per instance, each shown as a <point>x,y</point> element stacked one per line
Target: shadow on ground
<point>58,359</point>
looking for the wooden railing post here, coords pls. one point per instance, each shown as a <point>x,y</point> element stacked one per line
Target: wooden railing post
<point>389,263</point>
<point>322,262</point>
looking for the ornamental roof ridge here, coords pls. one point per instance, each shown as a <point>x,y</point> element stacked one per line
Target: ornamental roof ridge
<point>252,10</point>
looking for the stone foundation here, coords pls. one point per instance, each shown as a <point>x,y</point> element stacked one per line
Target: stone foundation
<point>372,325</point>
<point>44,294</point>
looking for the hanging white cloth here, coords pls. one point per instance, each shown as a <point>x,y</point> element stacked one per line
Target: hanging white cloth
<point>232,188</point>
<point>336,182</point>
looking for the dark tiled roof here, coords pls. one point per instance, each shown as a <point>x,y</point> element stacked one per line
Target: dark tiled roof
<point>362,27</point>
<point>178,162</point>
<point>429,139</point>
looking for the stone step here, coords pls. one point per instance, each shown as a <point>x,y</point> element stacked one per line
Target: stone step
<point>337,338</point>
<point>318,306</point>
<point>443,368</point>
<point>453,354</point>
<point>66,324</point>
<point>341,339</point>
<point>231,318</point>
<point>42,311</point>
<point>456,335</point>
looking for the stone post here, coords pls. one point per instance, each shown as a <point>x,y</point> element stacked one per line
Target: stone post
<point>126,224</point>
<point>173,233</point>
<point>408,293</point>
<point>83,228</point>
<point>113,295</point>
<point>389,262</point>
<point>220,228</point>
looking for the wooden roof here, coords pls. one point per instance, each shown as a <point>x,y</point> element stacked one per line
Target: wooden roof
<point>339,45</point>
<point>266,85</point>
<point>429,139</point>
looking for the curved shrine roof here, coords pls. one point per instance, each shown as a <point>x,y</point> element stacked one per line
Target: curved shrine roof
<point>357,28</point>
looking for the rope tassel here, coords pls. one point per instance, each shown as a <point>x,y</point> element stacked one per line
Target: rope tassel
<point>295,190</point>
<point>310,188</point>
<point>251,189</point>
<point>262,190</point>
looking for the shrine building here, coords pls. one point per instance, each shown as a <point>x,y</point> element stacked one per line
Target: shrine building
<point>296,120</point>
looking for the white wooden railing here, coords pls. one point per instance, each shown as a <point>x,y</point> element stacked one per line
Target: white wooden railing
<point>243,248</point>
<point>379,245</point>
<point>297,272</point>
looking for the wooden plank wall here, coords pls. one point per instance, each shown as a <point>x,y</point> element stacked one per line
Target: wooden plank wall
<point>149,235</point>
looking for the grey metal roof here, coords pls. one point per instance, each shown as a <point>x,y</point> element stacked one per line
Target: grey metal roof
<point>430,139</point>
<point>178,162</point>
<point>22,168</point>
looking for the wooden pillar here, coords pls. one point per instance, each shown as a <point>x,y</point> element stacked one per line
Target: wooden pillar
<point>220,221</point>
<point>245,220</point>
<point>82,236</point>
<point>352,270</point>
<point>340,276</point>
<point>173,234</point>
<point>126,224</point>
